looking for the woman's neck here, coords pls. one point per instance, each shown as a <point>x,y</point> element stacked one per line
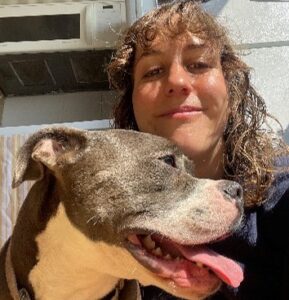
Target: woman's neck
<point>211,165</point>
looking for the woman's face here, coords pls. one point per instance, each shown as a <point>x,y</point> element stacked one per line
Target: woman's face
<point>180,93</point>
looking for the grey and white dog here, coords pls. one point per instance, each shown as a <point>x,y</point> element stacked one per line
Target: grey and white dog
<point>111,205</point>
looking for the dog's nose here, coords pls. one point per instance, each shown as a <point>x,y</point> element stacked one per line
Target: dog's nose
<point>233,191</point>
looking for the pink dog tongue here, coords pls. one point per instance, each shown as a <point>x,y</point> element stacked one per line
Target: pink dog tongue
<point>226,269</point>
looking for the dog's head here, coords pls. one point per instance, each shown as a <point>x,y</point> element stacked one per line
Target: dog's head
<point>135,197</point>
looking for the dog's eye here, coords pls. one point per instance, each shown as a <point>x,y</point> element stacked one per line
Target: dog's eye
<point>169,160</point>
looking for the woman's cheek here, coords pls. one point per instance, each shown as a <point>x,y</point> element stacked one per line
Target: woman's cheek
<point>213,93</point>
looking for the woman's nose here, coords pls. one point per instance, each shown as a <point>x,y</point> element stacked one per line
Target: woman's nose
<point>179,81</point>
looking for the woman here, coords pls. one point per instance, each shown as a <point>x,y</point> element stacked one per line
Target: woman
<point>179,77</point>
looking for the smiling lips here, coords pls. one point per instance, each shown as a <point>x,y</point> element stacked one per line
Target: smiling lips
<point>182,112</point>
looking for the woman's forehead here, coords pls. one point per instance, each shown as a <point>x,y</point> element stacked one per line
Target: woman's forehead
<point>187,40</point>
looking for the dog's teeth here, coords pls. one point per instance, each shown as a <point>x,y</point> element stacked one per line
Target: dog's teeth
<point>134,240</point>
<point>177,258</point>
<point>199,264</point>
<point>148,242</point>
<point>158,252</point>
<point>168,257</point>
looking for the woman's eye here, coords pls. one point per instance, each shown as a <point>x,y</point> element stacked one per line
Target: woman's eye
<point>198,67</point>
<point>153,72</point>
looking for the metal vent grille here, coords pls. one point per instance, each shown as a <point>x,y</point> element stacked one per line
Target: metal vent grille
<point>59,72</point>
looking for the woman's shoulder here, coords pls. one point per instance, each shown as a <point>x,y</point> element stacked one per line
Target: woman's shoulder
<point>274,215</point>
<point>279,189</point>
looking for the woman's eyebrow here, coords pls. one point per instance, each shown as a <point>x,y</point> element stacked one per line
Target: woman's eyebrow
<point>191,46</point>
<point>195,44</point>
<point>148,52</point>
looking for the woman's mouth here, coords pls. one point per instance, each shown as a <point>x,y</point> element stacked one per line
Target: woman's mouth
<point>182,112</point>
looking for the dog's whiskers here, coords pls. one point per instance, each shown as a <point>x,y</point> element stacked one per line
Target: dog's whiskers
<point>133,271</point>
<point>91,219</point>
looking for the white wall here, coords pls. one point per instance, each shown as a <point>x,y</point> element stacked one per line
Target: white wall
<point>87,125</point>
<point>47,109</point>
<point>263,29</point>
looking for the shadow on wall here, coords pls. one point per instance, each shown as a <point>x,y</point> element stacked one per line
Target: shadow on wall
<point>286,135</point>
<point>214,7</point>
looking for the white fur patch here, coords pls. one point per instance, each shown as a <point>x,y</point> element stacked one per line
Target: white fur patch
<point>70,266</point>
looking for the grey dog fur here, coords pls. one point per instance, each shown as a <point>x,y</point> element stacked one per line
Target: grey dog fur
<point>110,183</point>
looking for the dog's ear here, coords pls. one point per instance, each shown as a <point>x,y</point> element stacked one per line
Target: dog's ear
<point>44,149</point>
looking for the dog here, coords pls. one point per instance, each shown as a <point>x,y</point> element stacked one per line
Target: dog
<point>111,205</point>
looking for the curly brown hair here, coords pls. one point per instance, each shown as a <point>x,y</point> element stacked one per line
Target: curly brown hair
<point>250,149</point>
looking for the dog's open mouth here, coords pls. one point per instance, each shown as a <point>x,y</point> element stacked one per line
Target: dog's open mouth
<point>186,266</point>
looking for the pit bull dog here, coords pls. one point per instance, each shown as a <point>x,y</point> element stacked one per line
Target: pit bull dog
<point>111,205</point>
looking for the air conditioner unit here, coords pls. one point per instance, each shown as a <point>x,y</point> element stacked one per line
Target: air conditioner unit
<point>47,27</point>
<point>54,47</point>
